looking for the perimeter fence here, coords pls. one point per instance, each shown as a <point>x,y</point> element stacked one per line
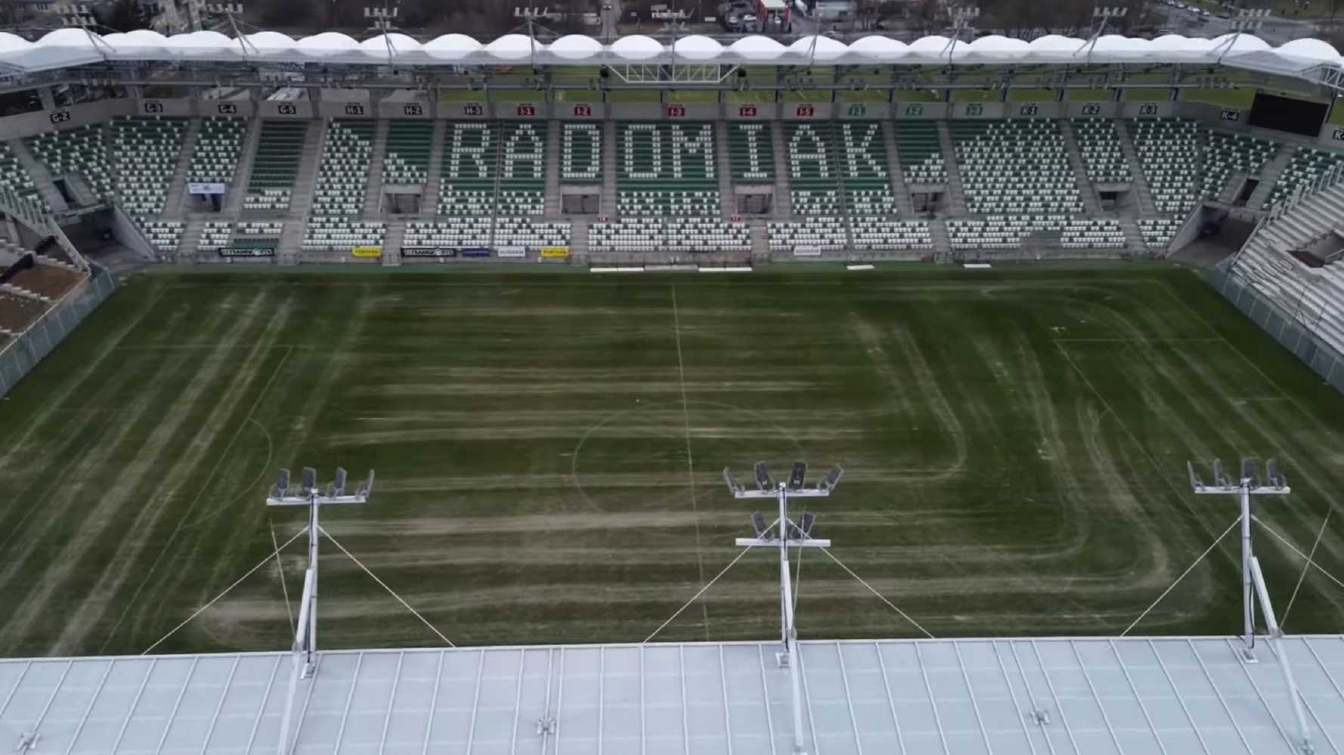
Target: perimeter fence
<point>20,356</point>
<point>1286,328</point>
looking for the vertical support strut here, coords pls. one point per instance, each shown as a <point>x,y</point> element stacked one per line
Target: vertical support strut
<point>304,658</point>
<point>782,536</point>
<point>1245,488</point>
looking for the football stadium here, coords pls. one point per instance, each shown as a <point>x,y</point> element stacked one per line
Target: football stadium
<point>671,395</point>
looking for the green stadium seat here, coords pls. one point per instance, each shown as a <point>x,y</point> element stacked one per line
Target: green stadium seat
<point>275,167</point>
<point>667,170</point>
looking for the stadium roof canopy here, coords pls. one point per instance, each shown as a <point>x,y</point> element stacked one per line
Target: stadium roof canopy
<point>1167,696</point>
<point>76,47</point>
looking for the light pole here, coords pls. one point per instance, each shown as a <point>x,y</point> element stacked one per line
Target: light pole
<point>1246,21</point>
<point>1101,14</point>
<point>1245,488</point>
<point>304,662</point>
<point>782,535</point>
<point>963,17</point>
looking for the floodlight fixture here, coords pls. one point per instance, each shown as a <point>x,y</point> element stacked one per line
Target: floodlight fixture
<point>338,486</point>
<point>1254,592</point>
<point>832,478</point>
<point>309,479</point>
<point>808,521</point>
<point>763,479</point>
<point>758,524</point>
<point>734,486</point>
<point>797,475</point>
<point>281,485</point>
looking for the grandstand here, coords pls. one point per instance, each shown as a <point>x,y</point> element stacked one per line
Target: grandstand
<point>952,170</point>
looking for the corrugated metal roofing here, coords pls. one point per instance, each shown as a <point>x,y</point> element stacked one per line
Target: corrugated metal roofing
<point>1167,696</point>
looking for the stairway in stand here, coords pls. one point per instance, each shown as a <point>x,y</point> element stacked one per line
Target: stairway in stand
<point>177,185</point>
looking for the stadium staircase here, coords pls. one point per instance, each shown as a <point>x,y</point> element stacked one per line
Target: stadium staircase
<point>429,200</point>
<point>723,163</point>
<point>760,240</point>
<point>1134,241</point>
<point>1087,189</point>
<point>896,172</point>
<point>243,176</point>
<point>554,203</point>
<point>177,185</point>
<point>393,237</point>
<point>1143,195</point>
<point>607,203</point>
<point>1270,173</point>
<point>783,202</point>
<point>942,243</point>
<point>373,198</point>
<point>956,192</point>
<point>41,177</point>
<point>301,198</point>
<point>578,238</point>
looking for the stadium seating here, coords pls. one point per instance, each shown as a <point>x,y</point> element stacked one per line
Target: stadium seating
<point>666,169</point>
<point>1102,154</point>
<point>1228,154</point>
<point>15,179</point>
<point>921,152</point>
<point>522,170</point>
<point>1307,164</point>
<point>879,235</point>
<point>276,165</point>
<point>1186,163</point>
<point>144,153</point>
<point>338,196</point>
<point>215,158</point>
<point>163,235</point>
<point>1158,232</point>
<point>811,235</point>
<point>581,153</point>
<point>1092,233</point>
<point>342,179</point>
<point>751,153</point>
<point>215,235</point>
<point>1168,152</point>
<point>493,168</point>
<point>839,168</point>
<point>1008,232</point>
<point>469,156</point>
<point>483,233</point>
<point>406,160</point>
<point>1015,166</point>
<point>326,234</point>
<point>674,235</point>
<point>81,151</point>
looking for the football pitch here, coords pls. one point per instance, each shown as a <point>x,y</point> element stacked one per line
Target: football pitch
<point>549,450</point>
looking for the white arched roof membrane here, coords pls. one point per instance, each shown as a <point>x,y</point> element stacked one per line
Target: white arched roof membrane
<point>72,47</point>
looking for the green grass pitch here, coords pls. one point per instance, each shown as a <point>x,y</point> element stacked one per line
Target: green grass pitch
<point>549,449</point>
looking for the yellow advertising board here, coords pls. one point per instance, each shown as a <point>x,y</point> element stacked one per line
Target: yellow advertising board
<point>368,252</point>
<point>555,253</point>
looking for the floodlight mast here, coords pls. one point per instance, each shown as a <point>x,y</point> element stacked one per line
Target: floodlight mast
<point>786,534</point>
<point>304,663</point>
<point>1248,485</point>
